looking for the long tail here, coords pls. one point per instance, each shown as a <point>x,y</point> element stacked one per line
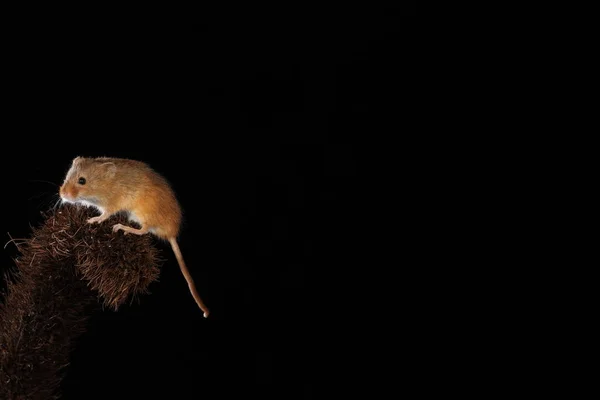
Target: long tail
<point>188,277</point>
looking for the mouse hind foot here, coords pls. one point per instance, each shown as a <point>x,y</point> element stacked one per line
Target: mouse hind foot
<point>127,229</point>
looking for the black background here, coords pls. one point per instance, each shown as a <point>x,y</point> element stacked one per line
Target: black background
<point>258,123</point>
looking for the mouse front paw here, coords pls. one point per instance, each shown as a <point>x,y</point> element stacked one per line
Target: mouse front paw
<point>94,220</point>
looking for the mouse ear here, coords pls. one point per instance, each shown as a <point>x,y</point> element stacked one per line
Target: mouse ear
<point>77,160</point>
<point>110,169</point>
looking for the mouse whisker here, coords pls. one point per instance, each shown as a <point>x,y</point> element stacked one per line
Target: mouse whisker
<point>39,180</point>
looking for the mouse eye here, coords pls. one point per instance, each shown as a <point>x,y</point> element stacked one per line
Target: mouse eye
<point>81,181</point>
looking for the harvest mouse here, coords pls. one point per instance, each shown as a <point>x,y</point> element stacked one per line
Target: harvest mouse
<point>116,184</point>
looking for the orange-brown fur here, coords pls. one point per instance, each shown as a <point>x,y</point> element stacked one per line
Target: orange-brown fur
<point>121,185</point>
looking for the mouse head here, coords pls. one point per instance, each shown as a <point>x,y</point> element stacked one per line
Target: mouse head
<point>86,179</point>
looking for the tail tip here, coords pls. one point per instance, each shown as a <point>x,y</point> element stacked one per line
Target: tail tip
<point>206,314</point>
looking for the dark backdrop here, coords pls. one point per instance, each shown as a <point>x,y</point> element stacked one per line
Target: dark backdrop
<point>258,123</point>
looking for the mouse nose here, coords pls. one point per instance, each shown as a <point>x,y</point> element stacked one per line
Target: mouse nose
<point>64,193</point>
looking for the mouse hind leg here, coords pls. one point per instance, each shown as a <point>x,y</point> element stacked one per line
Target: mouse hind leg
<point>128,229</point>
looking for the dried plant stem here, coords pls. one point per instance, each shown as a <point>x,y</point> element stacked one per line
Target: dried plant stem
<point>63,270</point>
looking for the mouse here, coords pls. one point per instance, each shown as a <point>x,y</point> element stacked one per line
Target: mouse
<point>113,185</point>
